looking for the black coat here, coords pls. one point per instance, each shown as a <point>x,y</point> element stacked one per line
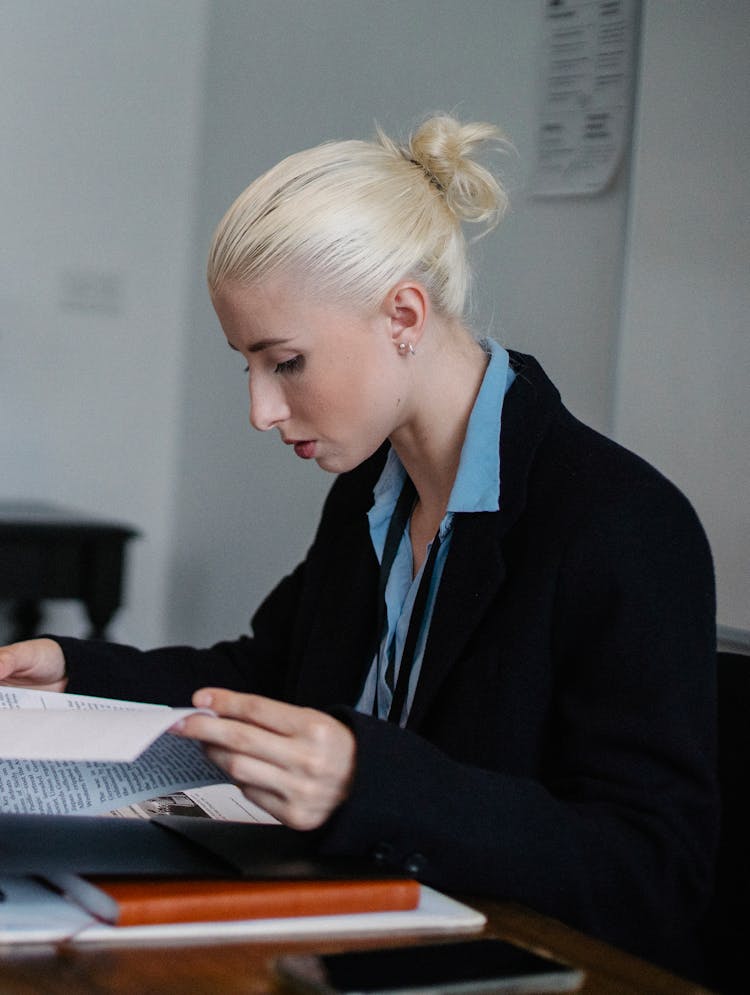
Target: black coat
<point>560,750</point>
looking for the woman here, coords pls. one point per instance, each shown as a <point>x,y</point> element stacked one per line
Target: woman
<point>493,670</point>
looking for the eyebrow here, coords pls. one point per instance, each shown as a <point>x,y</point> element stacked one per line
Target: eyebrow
<point>263,344</point>
<point>267,344</point>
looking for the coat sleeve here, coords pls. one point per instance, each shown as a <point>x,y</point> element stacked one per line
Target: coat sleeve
<point>171,674</point>
<point>262,663</point>
<point>617,833</point>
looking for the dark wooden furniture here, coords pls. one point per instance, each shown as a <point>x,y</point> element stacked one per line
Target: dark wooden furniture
<point>246,967</point>
<point>730,918</point>
<point>48,552</point>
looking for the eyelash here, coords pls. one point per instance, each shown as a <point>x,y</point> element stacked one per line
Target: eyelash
<point>293,365</point>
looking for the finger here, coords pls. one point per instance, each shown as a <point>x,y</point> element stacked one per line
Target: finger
<point>37,663</point>
<point>311,771</point>
<point>271,802</point>
<point>8,660</point>
<point>309,742</point>
<point>295,801</point>
<point>238,736</point>
<point>291,766</point>
<point>249,772</point>
<point>268,801</point>
<point>278,716</point>
<point>289,814</point>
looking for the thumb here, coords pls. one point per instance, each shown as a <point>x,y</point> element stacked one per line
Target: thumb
<point>7,661</point>
<point>34,661</point>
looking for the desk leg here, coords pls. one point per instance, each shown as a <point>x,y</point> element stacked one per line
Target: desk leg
<point>100,619</point>
<point>103,584</point>
<point>101,603</point>
<point>26,618</point>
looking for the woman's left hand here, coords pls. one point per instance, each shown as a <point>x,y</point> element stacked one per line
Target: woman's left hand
<point>297,763</point>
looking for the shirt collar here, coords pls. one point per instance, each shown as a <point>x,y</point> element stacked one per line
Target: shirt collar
<point>477,483</point>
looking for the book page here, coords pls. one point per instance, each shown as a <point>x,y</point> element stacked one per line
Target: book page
<point>51,726</point>
<point>66,787</point>
<point>47,725</point>
<point>212,801</point>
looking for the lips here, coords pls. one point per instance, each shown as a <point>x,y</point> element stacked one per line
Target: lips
<point>304,448</point>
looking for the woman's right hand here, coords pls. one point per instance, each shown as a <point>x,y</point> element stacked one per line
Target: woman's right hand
<point>34,663</point>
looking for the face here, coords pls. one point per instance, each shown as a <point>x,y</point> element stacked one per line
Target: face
<point>329,378</point>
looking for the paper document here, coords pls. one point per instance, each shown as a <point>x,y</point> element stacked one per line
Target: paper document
<point>31,913</point>
<point>70,754</point>
<point>45,725</point>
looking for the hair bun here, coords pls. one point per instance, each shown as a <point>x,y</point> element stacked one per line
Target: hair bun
<point>443,147</point>
<point>356,216</point>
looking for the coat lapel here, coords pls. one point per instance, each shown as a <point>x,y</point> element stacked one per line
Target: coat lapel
<point>339,617</point>
<point>341,635</point>
<point>475,570</point>
<point>340,642</point>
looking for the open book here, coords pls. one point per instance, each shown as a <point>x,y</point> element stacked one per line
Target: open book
<point>69,754</point>
<point>63,756</point>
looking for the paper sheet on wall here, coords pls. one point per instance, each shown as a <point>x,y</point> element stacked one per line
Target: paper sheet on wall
<point>587,78</point>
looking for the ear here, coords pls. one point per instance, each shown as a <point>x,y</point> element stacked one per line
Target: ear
<point>406,307</point>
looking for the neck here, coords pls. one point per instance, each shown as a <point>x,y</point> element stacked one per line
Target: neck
<point>448,373</point>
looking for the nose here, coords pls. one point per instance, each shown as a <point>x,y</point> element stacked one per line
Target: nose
<point>267,406</point>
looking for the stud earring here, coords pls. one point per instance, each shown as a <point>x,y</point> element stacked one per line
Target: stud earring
<point>402,347</point>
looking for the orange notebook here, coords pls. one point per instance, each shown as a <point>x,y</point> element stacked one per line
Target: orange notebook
<point>149,901</point>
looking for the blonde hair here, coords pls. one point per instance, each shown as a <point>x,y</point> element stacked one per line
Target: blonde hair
<point>355,217</point>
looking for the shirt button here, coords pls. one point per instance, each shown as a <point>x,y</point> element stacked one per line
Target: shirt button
<point>382,853</point>
<point>415,864</point>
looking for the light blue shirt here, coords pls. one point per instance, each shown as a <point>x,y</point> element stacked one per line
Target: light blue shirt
<point>476,488</point>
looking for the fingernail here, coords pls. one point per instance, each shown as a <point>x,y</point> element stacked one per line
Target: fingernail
<point>202,699</point>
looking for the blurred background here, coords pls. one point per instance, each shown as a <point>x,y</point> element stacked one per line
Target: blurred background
<point>128,126</point>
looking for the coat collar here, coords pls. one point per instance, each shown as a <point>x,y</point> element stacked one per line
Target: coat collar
<point>475,569</point>
<point>340,641</point>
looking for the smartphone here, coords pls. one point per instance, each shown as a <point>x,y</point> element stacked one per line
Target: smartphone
<point>462,968</point>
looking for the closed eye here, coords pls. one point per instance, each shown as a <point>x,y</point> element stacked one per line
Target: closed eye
<point>293,365</point>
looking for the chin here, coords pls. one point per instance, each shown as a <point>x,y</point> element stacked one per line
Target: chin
<point>341,462</point>
<point>334,464</point>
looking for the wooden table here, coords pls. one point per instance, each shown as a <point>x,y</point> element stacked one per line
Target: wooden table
<point>245,967</point>
<point>47,552</point>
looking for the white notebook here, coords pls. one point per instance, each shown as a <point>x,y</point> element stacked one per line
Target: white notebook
<point>33,913</point>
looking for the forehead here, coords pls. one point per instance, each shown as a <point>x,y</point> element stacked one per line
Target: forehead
<point>249,311</point>
<point>236,300</point>
<point>280,306</point>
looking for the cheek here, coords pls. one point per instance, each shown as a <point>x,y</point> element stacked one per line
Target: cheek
<point>354,393</point>
<point>343,391</point>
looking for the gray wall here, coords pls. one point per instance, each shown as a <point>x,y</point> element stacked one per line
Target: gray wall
<point>683,394</point>
<point>285,75</point>
<point>129,127</point>
<point>99,109</point>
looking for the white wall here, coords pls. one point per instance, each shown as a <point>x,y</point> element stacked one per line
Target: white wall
<point>99,109</point>
<point>684,366</point>
<point>129,127</point>
<point>285,75</point>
